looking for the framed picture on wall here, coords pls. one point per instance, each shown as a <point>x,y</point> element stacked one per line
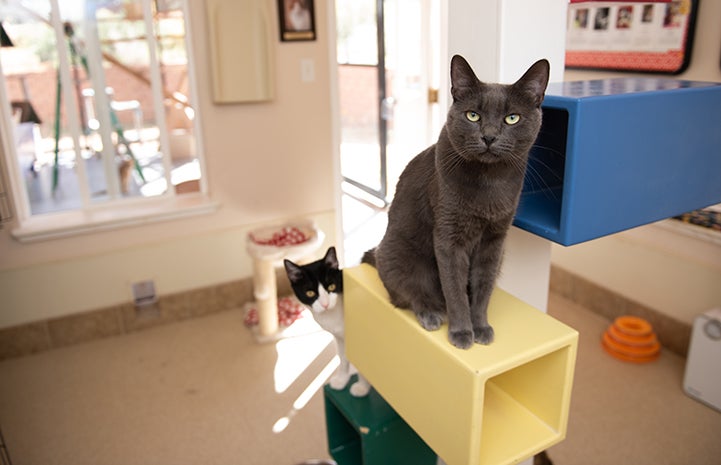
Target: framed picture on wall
<point>297,20</point>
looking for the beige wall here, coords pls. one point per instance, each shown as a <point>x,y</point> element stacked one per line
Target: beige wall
<point>266,162</point>
<point>271,161</point>
<point>671,272</point>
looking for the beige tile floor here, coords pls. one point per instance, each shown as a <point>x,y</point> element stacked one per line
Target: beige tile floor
<point>203,391</point>
<point>197,392</point>
<point>624,413</point>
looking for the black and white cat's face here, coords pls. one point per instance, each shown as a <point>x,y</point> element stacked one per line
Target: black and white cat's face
<point>495,122</point>
<point>317,285</point>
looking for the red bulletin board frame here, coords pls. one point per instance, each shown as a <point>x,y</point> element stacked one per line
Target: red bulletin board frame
<point>654,36</point>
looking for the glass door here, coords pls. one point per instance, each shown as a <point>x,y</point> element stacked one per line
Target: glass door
<point>362,90</point>
<point>384,58</point>
<point>410,66</point>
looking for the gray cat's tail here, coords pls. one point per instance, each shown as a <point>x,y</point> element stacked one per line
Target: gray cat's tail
<point>369,257</point>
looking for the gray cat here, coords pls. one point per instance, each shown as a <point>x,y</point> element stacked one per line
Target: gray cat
<point>455,201</point>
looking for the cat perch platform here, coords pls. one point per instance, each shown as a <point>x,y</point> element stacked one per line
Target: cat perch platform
<point>488,405</point>
<point>366,430</point>
<point>268,246</point>
<point>614,154</point>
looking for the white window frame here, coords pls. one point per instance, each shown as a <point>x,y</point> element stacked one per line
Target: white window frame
<point>117,212</point>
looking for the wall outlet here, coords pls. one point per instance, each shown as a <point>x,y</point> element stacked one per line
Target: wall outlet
<point>144,293</point>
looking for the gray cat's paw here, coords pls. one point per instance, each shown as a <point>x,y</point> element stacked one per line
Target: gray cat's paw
<point>430,321</point>
<point>461,339</point>
<point>483,335</point>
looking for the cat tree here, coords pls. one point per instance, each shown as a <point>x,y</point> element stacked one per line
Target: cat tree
<point>505,402</point>
<point>622,154</point>
<point>268,246</point>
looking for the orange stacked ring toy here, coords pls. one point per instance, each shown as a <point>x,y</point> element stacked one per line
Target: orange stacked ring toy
<point>631,339</point>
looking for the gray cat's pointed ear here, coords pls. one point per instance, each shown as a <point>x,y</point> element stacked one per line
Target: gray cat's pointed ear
<point>535,80</point>
<point>463,79</point>
<point>330,258</point>
<point>294,271</point>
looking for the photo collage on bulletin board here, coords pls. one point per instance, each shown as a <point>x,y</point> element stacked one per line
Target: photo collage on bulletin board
<point>642,36</point>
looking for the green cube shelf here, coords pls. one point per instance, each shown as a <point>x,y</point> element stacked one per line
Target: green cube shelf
<point>367,431</point>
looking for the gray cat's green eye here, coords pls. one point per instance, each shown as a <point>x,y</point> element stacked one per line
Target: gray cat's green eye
<point>331,288</point>
<point>472,116</point>
<point>512,119</point>
<point>310,293</point>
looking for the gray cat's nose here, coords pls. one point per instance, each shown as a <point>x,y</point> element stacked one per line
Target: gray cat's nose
<point>488,140</point>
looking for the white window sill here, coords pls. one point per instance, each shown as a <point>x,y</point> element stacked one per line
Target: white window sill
<point>65,224</point>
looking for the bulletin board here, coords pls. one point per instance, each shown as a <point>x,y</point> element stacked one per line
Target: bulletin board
<point>642,36</point>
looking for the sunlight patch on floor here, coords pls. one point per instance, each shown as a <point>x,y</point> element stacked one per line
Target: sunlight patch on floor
<point>302,400</point>
<point>298,352</point>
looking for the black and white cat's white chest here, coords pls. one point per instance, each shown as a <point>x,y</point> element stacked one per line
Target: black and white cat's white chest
<point>328,311</point>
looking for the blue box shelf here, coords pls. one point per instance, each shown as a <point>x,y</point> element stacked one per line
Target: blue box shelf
<point>614,154</point>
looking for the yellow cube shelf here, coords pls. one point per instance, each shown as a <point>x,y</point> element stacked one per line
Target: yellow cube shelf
<point>488,405</point>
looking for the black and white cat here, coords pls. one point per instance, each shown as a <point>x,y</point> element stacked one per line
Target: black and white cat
<point>319,286</point>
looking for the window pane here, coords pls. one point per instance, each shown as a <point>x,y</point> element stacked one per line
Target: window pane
<point>126,77</point>
<point>30,72</point>
<point>127,106</point>
<point>357,32</point>
<point>179,115</point>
